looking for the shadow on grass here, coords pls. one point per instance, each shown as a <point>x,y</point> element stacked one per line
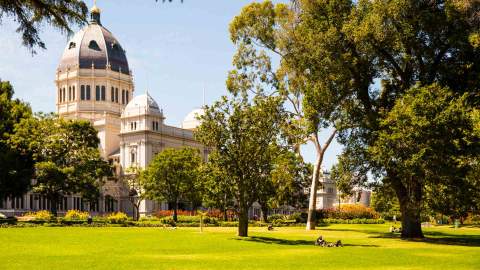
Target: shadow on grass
<point>431,237</point>
<point>278,241</point>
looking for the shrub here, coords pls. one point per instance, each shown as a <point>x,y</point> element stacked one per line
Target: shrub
<point>117,218</point>
<point>167,213</point>
<point>42,215</point>
<point>76,215</point>
<point>348,211</point>
<point>276,218</point>
<point>299,217</point>
<point>351,221</point>
<point>2,216</point>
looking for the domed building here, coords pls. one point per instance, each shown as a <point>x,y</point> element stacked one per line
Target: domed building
<point>94,83</point>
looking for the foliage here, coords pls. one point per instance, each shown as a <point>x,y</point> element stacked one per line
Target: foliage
<point>76,215</point>
<point>136,187</point>
<point>66,155</point>
<point>169,213</point>
<point>117,218</point>
<point>351,221</point>
<point>244,138</point>
<point>385,202</point>
<point>262,34</point>
<point>172,175</point>
<point>348,211</point>
<point>42,215</point>
<point>32,15</point>
<point>356,59</point>
<point>16,166</point>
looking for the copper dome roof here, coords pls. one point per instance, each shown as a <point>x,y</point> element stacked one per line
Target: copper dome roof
<point>94,45</point>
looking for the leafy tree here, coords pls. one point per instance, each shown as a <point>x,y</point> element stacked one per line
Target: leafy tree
<point>66,155</point>
<point>31,15</point>
<point>287,184</point>
<point>263,34</point>
<point>218,192</point>
<point>171,176</point>
<point>136,192</point>
<point>385,202</point>
<point>16,167</point>
<point>242,134</point>
<point>357,58</point>
<point>427,138</point>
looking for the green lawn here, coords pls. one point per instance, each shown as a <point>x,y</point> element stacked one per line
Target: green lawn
<point>366,247</point>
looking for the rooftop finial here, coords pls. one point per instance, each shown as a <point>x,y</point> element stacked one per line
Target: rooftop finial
<point>95,13</point>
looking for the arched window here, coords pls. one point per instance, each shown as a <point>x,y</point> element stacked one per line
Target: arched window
<point>64,94</point>
<point>88,92</point>
<point>116,95</point>
<point>82,92</point>
<point>112,94</point>
<point>123,96</point>
<point>126,96</point>
<point>94,45</point>
<point>103,93</point>
<point>73,92</point>
<point>97,92</point>
<point>69,93</point>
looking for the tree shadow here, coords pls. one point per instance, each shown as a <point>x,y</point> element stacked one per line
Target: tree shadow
<point>431,237</point>
<point>279,241</point>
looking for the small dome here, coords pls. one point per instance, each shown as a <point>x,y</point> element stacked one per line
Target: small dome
<point>94,46</point>
<point>143,104</point>
<point>191,121</point>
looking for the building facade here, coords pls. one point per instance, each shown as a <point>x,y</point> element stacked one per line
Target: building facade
<point>94,83</point>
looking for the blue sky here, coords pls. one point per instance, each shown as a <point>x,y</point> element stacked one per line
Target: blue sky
<point>175,50</point>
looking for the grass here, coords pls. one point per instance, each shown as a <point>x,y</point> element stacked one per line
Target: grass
<point>366,247</point>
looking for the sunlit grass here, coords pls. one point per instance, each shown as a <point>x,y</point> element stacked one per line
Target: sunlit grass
<point>366,247</point>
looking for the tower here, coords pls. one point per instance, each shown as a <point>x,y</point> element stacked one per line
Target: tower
<point>94,81</point>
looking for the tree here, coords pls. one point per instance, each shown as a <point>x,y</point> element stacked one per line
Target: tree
<point>136,192</point>
<point>428,139</point>
<point>263,32</point>
<point>16,167</point>
<point>287,184</point>
<point>218,192</point>
<point>66,155</point>
<point>359,57</point>
<point>242,135</point>
<point>171,176</point>
<point>31,15</point>
<point>385,202</point>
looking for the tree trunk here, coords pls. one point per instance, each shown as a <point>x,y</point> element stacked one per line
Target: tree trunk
<point>225,217</point>
<point>53,205</point>
<point>175,208</point>
<point>410,199</point>
<point>243,220</point>
<point>312,204</point>
<point>136,212</point>
<point>411,223</point>
<point>264,213</point>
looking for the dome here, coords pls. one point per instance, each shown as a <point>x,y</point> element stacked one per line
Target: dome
<point>191,121</point>
<point>143,104</point>
<point>94,45</point>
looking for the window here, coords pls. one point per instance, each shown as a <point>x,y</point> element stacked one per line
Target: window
<point>330,190</point>
<point>59,95</point>
<point>82,92</point>
<point>126,96</point>
<point>64,97</point>
<point>73,92</point>
<point>153,125</point>
<point>69,93</point>
<point>88,92</point>
<point>103,92</point>
<point>156,123</point>
<point>112,94</point>
<point>116,95</point>
<point>71,45</point>
<point>132,157</point>
<point>94,45</point>
<point>97,93</point>
<point>123,96</point>
<point>135,125</point>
